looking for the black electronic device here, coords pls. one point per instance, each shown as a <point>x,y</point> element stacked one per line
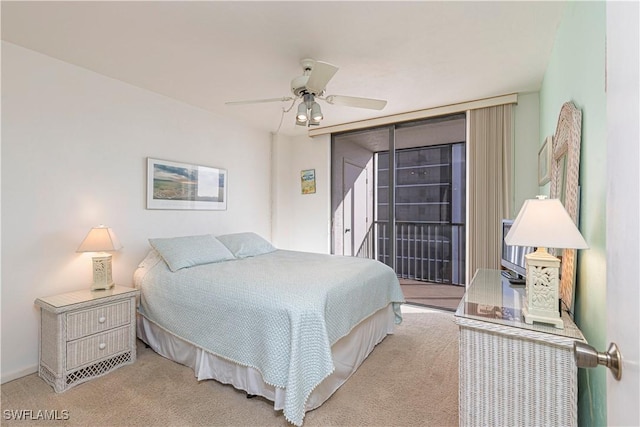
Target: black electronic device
<point>512,257</point>
<point>513,278</point>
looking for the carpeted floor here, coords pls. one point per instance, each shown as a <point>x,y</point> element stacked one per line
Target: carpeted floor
<point>410,379</point>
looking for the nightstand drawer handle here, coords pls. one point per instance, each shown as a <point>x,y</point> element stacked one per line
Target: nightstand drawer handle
<point>102,319</point>
<point>102,346</point>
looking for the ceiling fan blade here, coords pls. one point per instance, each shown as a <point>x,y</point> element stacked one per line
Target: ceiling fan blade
<point>352,101</point>
<point>260,101</point>
<point>320,75</point>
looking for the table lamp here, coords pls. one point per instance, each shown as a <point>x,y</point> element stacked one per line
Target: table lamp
<point>101,239</point>
<point>543,223</point>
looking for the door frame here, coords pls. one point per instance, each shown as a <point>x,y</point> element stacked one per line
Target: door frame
<point>367,222</point>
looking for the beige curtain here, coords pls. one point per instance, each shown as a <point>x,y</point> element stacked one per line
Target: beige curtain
<point>490,146</point>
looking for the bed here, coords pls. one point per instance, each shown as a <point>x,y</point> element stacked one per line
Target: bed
<point>289,326</point>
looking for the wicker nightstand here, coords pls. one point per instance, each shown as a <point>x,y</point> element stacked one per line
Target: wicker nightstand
<point>86,334</point>
<point>513,373</point>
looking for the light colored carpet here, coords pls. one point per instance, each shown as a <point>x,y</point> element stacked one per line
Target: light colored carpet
<point>410,379</point>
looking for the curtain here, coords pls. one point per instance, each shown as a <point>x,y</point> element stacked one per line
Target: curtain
<point>490,179</point>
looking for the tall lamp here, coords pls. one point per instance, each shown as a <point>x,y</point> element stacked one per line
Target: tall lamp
<point>543,223</point>
<point>101,240</point>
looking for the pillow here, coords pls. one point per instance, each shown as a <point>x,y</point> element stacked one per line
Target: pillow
<point>188,251</point>
<point>152,258</point>
<point>244,245</point>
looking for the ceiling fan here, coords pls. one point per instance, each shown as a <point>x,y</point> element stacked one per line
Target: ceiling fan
<point>311,86</point>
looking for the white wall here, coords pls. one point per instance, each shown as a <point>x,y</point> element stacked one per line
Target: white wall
<point>74,149</point>
<point>301,221</point>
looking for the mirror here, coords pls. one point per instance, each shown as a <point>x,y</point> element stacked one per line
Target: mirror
<point>565,171</point>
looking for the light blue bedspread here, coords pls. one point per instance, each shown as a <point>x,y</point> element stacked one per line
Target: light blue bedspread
<point>279,312</point>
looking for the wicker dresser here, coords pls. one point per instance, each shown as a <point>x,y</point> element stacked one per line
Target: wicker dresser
<point>512,373</point>
<point>86,334</point>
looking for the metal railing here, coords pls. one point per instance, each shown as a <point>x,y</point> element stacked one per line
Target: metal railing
<point>432,252</point>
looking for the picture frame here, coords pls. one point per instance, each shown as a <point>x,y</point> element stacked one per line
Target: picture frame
<point>175,185</point>
<point>545,156</point>
<point>308,181</point>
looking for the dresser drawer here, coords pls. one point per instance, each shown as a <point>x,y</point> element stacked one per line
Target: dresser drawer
<point>95,347</point>
<point>86,322</point>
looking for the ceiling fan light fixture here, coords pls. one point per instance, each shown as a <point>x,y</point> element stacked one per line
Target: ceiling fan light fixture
<point>316,112</point>
<point>301,116</point>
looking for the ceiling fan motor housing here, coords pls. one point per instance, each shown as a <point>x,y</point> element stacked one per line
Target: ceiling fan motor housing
<point>299,85</point>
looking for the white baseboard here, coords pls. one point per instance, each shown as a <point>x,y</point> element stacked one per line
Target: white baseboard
<point>6,377</point>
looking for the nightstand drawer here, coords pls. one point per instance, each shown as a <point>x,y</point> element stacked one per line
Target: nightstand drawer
<point>87,322</point>
<point>98,346</point>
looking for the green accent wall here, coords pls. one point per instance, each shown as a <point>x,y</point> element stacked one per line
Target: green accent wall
<point>576,72</point>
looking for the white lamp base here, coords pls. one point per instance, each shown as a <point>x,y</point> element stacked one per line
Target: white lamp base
<point>102,272</point>
<point>541,302</point>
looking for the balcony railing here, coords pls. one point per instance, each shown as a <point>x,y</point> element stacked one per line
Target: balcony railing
<point>431,252</point>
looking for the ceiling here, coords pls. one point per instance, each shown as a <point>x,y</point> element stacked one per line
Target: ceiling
<point>416,54</point>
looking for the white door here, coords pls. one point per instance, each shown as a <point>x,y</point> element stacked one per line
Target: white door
<point>355,218</point>
<point>623,195</point>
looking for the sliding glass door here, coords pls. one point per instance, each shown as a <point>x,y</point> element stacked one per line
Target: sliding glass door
<point>415,200</point>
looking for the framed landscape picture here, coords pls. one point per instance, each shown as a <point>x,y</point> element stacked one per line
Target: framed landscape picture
<point>173,185</point>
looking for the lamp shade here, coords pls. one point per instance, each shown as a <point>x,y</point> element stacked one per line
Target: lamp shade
<point>100,239</point>
<point>545,223</point>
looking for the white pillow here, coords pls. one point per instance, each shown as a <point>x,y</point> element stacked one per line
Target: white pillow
<point>189,251</point>
<point>243,245</point>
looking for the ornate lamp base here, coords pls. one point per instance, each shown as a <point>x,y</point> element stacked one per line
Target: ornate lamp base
<point>541,302</point>
<point>102,272</point>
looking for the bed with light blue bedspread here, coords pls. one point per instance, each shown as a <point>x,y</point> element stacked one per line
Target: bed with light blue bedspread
<point>278,312</point>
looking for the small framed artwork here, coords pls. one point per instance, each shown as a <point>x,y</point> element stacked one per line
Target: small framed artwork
<point>544,161</point>
<point>173,185</point>
<point>308,181</point>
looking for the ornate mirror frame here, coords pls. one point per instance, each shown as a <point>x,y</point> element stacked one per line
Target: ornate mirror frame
<point>565,171</point>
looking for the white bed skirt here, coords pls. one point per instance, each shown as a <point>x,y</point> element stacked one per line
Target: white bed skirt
<point>348,353</point>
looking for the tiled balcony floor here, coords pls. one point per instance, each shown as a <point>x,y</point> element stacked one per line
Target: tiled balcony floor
<point>446,297</point>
